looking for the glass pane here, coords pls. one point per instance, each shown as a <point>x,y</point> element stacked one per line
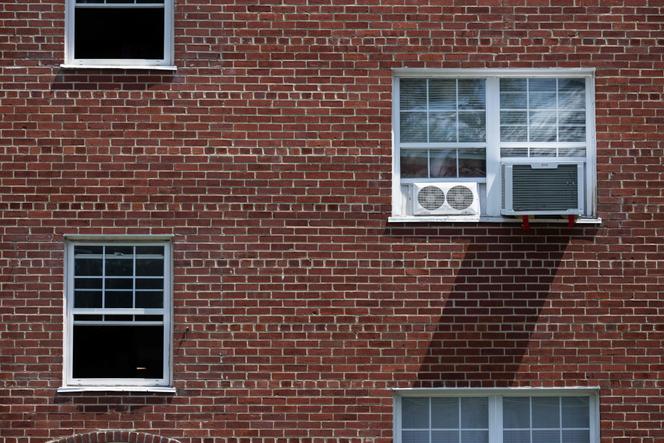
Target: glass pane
<point>118,317</point>
<point>118,351</point>
<point>572,118</point>
<point>546,436</point>
<point>445,413</point>
<point>87,299</point>
<point>514,134</point>
<point>543,152</point>
<point>119,250</point>
<point>514,152</point>
<point>119,267</point>
<point>445,437</point>
<point>87,266</point>
<point>542,100</point>
<point>149,299</point>
<point>415,436</point>
<point>121,299</point>
<point>546,412</point>
<point>442,127</point>
<point>415,412</point>
<point>474,436</point>
<point>571,152</point>
<point>567,100</point>
<point>119,283</point>
<point>542,85</point>
<point>97,33</point>
<point>513,85</point>
<point>572,133</point>
<point>414,163</point>
<point>516,437</point>
<point>153,250</point>
<point>443,163</point>
<point>516,412</point>
<point>575,412</point>
<point>413,94</point>
<point>413,127</point>
<point>577,85</point>
<point>471,94</point>
<point>442,94</point>
<point>542,118</point>
<point>513,100</point>
<point>513,118</point>
<point>87,283</point>
<point>472,127</point>
<point>474,413</point>
<point>543,134</point>
<point>472,163</point>
<point>87,249</point>
<point>576,437</point>
<point>149,267</point>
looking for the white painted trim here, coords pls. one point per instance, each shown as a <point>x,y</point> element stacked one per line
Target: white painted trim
<point>490,72</point>
<point>397,197</point>
<point>155,389</point>
<point>483,392</point>
<point>488,219</point>
<point>85,65</point>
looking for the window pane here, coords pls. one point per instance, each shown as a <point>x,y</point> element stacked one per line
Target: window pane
<point>443,163</point>
<point>572,118</point>
<point>413,127</point>
<point>153,250</point>
<point>513,118</point>
<point>87,266</point>
<point>415,436</point>
<point>87,249</point>
<point>119,267</point>
<point>87,299</point>
<point>546,436</point>
<point>516,437</point>
<point>119,251</point>
<point>575,412</point>
<point>472,163</point>
<point>471,94</point>
<point>149,283</point>
<point>571,152</point>
<point>542,118</point>
<point>543,134</point>
<point>514,134</point>
<point>415,412</point>
<point>119,283</point>
<point>572,93</point>
<point>442,94</point>
<point>513,100</point>
<point>542,100</point>
<point>474,436</point>
<point>516,412</point>
<point>149,299</point>
<point>149,267</point>
<point>414,163</point>
<point>445,437</point>
<point>445,412</point>
<point>576,437</point>
<point>513,84</point>
<point>87,283</point>
<point>472,127</point>
<point>120,299</point>
<point>572,134</point>
<point>442,127</point>
<point>118,351</point>
<point>542,85</point>
<point>546,412</point>
<point>413,94</point>
<point>474,412</point>
<point>119,33</point>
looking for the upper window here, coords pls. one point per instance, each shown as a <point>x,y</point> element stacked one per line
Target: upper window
<point>533,416</point>
<point>121,33</point>
<point>493,143</point>
<point>118,314</point>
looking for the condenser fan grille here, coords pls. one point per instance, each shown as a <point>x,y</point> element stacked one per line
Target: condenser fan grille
<point>431,198</point>
<point>460,197</point>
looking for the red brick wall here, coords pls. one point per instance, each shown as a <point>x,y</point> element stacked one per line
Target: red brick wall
<point>267,155</point>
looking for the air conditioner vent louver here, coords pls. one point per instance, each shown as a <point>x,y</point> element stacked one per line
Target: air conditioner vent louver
<point>450,199</point>
<point>549,188</point>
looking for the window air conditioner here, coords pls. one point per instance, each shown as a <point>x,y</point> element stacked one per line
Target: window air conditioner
<point>547,188</point>
<point>450,199</point>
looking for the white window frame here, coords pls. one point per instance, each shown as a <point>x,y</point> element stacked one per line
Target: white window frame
<point>492,193</point>
<point>71,384</point>
<point>495,396</point>
<point>167,63</point>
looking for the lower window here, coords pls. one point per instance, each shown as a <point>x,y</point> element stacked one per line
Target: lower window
<point>489,416</point>
<point>118,314</point>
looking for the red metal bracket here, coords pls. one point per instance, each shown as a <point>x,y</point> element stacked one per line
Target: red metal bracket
<point>525,223</point>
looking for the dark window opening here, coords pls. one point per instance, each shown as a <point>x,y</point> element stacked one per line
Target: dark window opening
<point>119,33</point>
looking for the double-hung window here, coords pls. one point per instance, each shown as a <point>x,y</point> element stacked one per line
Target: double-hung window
<point>497,416</point>
<point>493,144</point>
<point>118,310</point>
<point>119,33</point>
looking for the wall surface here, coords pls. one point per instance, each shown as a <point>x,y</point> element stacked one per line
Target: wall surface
<point>267,155</point>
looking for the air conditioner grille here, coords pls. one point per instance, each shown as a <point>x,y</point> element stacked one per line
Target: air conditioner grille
<point>431,198</point>
<point>460,197</point>
<point>553,189</point>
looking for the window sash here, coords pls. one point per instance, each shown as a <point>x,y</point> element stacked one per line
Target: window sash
<point>70,311</point>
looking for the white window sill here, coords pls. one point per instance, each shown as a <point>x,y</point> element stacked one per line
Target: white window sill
<point>155,389</point>
<point>457,219</point>
<point>141,67</point>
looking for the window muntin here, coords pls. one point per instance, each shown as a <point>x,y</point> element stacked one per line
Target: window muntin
<point>540,417</point>
<point>532,116</point>
<point>118,314</point>
<point>119,32</point>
